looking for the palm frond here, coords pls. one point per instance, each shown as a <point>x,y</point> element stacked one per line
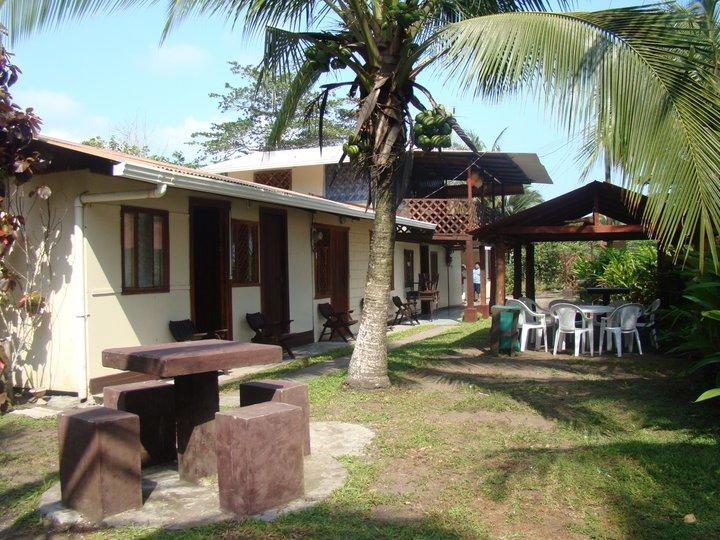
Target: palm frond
<point>303,82</point>
<point>284,50</point>
<point>22,17</point>
<point>255,14</point>
<point>636,74</point>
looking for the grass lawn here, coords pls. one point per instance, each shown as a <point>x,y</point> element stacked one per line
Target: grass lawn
<point>471,445</point>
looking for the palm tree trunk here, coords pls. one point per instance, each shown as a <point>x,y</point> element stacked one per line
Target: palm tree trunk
<point>368,365</point>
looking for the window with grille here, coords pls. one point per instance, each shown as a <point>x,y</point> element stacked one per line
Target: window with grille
<point>280,178</point>
<point>145,254</point>
<point>244,253</point>
<point>323,279</point>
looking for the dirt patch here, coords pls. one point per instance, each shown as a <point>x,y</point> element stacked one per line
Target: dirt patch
<point>402,477</point>
<point>402,514</point>
<point>513,419</point>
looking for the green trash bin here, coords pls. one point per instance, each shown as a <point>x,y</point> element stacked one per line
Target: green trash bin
<point>504,332</point>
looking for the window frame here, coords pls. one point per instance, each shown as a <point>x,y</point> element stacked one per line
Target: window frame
<point>165,216</point>
<point>247,223</point>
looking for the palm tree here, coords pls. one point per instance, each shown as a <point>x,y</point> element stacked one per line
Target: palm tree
<point>522,201</point>
<point>623,71</point>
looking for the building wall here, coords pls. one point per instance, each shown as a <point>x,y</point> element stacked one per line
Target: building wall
<point>116,319</point>
<point>309,179</point>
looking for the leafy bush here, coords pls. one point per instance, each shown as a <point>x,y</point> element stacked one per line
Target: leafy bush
<point>693,326</point>
<point>633,266</point>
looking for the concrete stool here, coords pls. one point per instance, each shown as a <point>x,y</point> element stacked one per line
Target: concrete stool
<point>259,456</point>
<point>154,403</point>
<point>282,391</point>
<point>99,461</point>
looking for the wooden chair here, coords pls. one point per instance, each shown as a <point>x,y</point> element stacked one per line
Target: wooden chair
<point>269,333</point>
<point>185,331</point>
<point>337,322</point>
<point>405,311</point>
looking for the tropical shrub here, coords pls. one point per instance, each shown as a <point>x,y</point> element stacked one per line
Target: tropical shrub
<point>633,266</point>
<point>693,326</point>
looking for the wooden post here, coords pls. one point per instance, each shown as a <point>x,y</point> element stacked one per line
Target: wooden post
<point>483,307</point>
<point>470,314</point>
<point>493,275</point>
<point>530,270</point>
<point>500,273</point>
<point>517,270</point>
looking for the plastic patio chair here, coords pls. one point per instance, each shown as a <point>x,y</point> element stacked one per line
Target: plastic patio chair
<point>566,314</point>
<point>620,323</point>
<point>647,322</point>
<point>530,320</point>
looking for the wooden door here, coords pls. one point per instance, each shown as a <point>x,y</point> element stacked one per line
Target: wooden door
<point>408,268</point>
<point>274,287</point>
<point>210,304</point>
<point>339,260</point>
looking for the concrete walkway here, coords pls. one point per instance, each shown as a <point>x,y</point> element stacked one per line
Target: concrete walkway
<point>232,398</point>
<point>444,317</point>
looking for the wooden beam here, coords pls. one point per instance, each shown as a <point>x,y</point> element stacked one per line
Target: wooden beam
<point>530,270</point>
<point>517,270</point>
<point>533,230</point>
<point>500,273</point>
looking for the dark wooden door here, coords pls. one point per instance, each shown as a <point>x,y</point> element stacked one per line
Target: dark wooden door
<point>211,307</point>
<point>339,260</point>
<point>274,289</point>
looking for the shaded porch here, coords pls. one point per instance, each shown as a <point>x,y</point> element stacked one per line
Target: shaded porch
<point>597,211</point>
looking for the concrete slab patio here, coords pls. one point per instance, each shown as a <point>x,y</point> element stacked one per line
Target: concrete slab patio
<point>171,503</point>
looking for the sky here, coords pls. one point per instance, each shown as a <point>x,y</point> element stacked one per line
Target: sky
<point>106,74</point>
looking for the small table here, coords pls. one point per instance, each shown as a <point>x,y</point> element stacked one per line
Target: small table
<point>194,366</point>
<point>595,310</point>
<point>606,292</point>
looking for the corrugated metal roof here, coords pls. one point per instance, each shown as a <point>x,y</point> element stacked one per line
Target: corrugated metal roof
<point>150,170</point>
<point>520,167</point>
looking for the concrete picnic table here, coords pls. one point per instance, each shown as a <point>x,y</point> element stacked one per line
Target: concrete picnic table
<point>194,366</point>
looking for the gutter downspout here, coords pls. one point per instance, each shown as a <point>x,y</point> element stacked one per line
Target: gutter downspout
<point>79,267</point>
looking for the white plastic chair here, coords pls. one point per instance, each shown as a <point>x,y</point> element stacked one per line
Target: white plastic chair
<point>647,322</point>
<point>620,323</point>
<point>566,314</point>
<point>530,320</point>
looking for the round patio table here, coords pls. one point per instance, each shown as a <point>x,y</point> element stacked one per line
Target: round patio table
<point>194,366</point>
<point>595,310</point>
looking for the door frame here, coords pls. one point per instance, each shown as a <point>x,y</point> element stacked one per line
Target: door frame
<point>226,297</point>
<point>345,231</point>
<point>263,211</point>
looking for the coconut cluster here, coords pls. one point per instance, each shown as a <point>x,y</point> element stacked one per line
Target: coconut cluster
<point>432,129</point>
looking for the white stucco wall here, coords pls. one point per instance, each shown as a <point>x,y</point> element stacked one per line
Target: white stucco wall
<point>116,320</point>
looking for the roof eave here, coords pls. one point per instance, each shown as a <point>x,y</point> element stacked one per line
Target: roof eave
<point>253,192</point>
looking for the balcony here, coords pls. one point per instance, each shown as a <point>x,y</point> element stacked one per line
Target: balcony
<point>452,217</point>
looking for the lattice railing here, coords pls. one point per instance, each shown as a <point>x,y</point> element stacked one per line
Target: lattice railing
<point>451,216</point>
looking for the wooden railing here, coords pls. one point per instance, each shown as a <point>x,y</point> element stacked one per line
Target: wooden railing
<point>452,217</point>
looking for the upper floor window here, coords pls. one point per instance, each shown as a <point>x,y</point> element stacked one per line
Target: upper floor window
<point>279,178</point>
<point>244,252</point>
<point>145,252</point>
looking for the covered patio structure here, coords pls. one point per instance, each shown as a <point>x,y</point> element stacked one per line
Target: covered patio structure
<point>596,211</point>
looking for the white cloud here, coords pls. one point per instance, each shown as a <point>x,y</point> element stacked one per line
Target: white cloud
<point>166,139</point>
<point>177,58</point>
<point>62,115</point>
